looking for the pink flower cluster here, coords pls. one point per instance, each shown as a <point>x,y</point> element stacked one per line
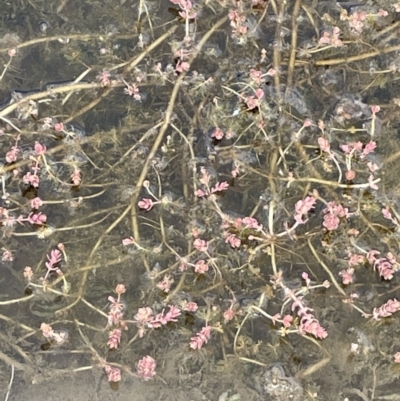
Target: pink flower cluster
<point>359,148</point>
<point>201,266</point>
<point>146,368</point>
<point>358,18</point>
<point>308,322</point>
<point>347,276</point>
<point>331,39</point>
<point>238,23</point>
<point>182,66</point>
<point>324,145</point>
<point>105,78</point>
<point>113,374</point>
<point>33,218</point>
<point>7,256</point>
<point>76,177</point>
<point>116,309</point>
<point>52,261</point>
<point>228,315</point>
<point>250,222</point>
<point>387,215</point>
<point>218,187</point>
<point>246,223</point>
<point>6,219</point>
<point>147,204</point>
<point>128,241</point>
<point>385,266</point>
<point>332,214</point>
<point>200,338</point>
<point>233,240</point>
<point>302,207</point>
<point>205,180</point>
<point>59,336</point>
<point>387,309</point>
<point>36,203</point>
<point>238,226</point>
<point>133,90</point>
<point>200,245</point>
<point>254,101</point>
<point>368,148</point>
<point>218,134</point>
<point>114,338</point>
<point>356,21</point>
<point>186,6</point>
<point>12,154</point>
<point>145,318</point>
<point>189,306</point>
<point>286,320</point>
<point>355,259</point>
<point>257,76</point>
<point>165,283</point>
<point>40,149</point>
<point>59,127</point>
<point>259,3</point>
<point>183,55</point>
<point>9,220</point>
<point>32,179</point>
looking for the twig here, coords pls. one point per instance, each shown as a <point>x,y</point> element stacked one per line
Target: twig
<point>346,60</point>
<point>10,383</point>
<point>15,301</point>
<point>293,46</point>
<point>51,39</point>
<point>326,268</point>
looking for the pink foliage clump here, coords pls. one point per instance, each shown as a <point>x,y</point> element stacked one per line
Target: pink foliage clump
<point>332,214</point>
<point>114,338</point>
<point>387,309</point>
<point>200,338</point>
<point>113,374</point>
<point>146,368</point>
<point>302,207</point>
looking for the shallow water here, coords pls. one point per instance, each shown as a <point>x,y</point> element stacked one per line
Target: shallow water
<point>127,131</point>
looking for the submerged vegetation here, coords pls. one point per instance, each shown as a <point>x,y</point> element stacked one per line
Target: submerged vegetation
<point>206,189</point>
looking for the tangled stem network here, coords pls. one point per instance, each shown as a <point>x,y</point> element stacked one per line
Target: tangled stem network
<point>217,186</point>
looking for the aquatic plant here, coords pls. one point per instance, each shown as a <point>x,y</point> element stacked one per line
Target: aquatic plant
<point>215,189</point>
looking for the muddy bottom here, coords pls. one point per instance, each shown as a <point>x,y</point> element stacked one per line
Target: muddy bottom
<point>93,386</point>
